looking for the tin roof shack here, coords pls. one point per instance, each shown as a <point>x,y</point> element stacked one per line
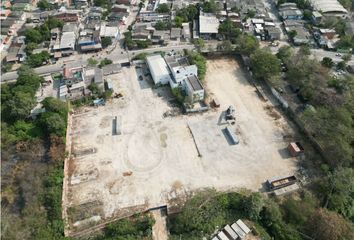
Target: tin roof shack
<point>160,37</point>
<point>243,226</point>
<point>221,235</point>
<point>95,75</point>
<point>67,16</point>
<point>230,233</point>
<point>16,51</point>
<point>120,8</point>
<point>208,25</point>
<point>186,32</point>
<point>280,182</point>
<point>176,34</point>
<point>117,17</point>
<point>151,16</point>
<point>67,43</point>
<point>290,11</point>
<point>298,32</point>
<point>142,31</point>
<point>316,17</point>
<point>273,33</point>
<point>124,2</point>
<point>241,234</point>
<point>111,69</point>
<point>106,31</point>
<point>295,149</point>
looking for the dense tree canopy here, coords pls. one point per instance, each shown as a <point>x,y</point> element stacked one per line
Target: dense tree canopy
<point>210,6</point>
<point>163,8</point>
<point>37,60</point>
<point>329,225</point>
<point>265,65</point>
<point>188,14</point>
<point>229,30</point>
<point>106,41</point>
<point>246,44</point>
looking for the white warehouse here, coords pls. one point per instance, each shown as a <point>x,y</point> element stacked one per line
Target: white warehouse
<point>158,69</point>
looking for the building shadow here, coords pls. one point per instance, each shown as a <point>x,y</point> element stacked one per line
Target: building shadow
<point>284,153</point>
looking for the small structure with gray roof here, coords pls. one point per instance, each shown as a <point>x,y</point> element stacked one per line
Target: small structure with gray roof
<point>194,89</point>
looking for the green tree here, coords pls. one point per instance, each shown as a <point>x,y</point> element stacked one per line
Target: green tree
<point>30,47</point>
<point>285,54</point>
<point>210,6</point>
<point>327,62</point>
<point>347,57</point>
<point>246,44</point>
<point>253,205</point>
<point>338,189</point>
<point>188,14</point>
<point>43,5</point>
<point>331,126</point>
<point>345,42</point>
<point>19,106</point>
<point>33,35</point>
<point>328,225</point>
<point>341,65</point>
<point>53,123</point>
<point>346,3</point>
<point>92,62</point>
<point>265,65</point>
<point>199,61</point>
<point>105,62</point>
<point>178,21</point>
<point>226,46</point>
<point>305,50</point>
<point>55,105</point>
<point>199,43</point>
<point>102,3</point>
<point>292,34</point>
<point>53,22</point>
<point>162,25</point>
<point>36,60</point>
<point>106,41</point>
<point>163,8</point>
<point>229,30</point>
<point>177,92</point>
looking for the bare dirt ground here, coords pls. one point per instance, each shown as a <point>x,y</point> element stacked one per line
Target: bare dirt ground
<point>159,230</point>
<point>154,161</point>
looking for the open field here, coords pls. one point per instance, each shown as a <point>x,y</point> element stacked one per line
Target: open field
<point>155,160</point>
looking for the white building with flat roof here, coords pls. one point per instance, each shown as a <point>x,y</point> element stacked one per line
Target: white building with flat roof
<point>208,24</point>
<point>159,70</point>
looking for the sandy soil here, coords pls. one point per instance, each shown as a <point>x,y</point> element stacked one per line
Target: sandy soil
<point>155,160</point>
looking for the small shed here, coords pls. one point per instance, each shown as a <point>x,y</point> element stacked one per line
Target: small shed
<point>238,230</point>
<point>243,226</point>
<point>230,233</point>
<point>222,236</point>
<point>295,149</point>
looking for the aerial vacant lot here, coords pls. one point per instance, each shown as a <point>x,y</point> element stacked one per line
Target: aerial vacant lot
<point>159,160</point>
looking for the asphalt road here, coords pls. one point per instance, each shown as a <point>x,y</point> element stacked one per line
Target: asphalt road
<point>117,56</point>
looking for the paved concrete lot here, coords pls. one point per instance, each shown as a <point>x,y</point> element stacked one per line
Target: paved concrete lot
<point>154,161</point>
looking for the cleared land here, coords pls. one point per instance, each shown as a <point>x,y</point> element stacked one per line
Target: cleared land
<point>155,162</point>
